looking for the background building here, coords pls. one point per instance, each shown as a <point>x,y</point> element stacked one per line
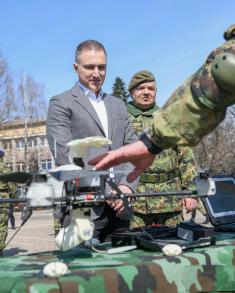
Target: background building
<point>25,146</point>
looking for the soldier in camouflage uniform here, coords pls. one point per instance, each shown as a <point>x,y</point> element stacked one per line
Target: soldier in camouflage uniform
<point>193,110</point>
<point>172,169</point>
<point>6,190</point>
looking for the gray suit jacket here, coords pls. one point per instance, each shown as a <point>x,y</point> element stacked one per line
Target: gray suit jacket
<point>72,116</point>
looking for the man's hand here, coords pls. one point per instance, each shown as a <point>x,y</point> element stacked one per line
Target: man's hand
<point>118,204</point>
<point>189,203</point>
<point>135,153</point>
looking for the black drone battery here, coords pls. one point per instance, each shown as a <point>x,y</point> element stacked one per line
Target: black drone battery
<point>191,231</point>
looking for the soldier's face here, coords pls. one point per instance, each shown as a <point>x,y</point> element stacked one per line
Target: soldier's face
<point>91,69</point>
<point>144,95</point>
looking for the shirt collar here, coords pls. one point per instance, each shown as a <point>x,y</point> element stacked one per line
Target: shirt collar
<point>137,111</point>
<point>90,93</point>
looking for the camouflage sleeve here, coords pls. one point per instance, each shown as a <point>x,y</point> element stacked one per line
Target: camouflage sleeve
<point>200,104</point>
<point>12,189</point>
<point>9,187</point>
<point>187,167</point>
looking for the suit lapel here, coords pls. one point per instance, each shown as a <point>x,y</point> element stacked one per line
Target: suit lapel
<point>83,100</point>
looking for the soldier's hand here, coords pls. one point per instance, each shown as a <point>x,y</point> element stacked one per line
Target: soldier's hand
<point>189,203</point>
<point>135,153</point>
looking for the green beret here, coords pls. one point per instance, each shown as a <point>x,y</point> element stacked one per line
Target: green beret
<point>140,77</point>
<point>230,32</point>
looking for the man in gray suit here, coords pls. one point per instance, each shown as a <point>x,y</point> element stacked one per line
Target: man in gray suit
<point>83,111</point>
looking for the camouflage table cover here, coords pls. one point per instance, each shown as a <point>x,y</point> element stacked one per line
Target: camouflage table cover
<point>197,270</point>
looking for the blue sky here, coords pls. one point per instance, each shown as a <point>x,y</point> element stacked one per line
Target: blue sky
<point>169,38</point>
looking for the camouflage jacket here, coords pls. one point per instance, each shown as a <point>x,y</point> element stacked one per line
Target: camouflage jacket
<point>6,189</point>
<point>173,169</point>
<point>197,106</point>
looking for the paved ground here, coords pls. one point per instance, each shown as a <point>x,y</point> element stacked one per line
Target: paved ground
<point>37,235</point>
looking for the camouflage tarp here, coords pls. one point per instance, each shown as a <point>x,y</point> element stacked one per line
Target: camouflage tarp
<point>198,270</point>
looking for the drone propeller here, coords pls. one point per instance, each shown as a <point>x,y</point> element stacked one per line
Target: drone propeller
<point>16,177</point>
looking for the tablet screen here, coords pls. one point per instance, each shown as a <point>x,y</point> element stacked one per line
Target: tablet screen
<point>222,204</point>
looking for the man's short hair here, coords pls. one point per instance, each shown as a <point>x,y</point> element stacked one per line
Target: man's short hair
<point>89,45</point>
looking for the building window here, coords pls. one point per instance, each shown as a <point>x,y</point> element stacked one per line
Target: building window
<point>32,142</point>
<point>20,167</point>
<point>43,141</point>
<point>20,143</point>
<point>21,191</point>
<point>46,164</point>
<point>10,166</point>
<point>7,144</point>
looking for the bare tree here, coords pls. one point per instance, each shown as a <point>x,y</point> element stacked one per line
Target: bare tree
<point>216,151</point>
<point>26,105</point>
<point>7,103</point>
<point>32,107</point>
<point>231,111</point>
<point>32,102</point>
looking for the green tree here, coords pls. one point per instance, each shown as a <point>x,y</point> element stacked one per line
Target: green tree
<point>119,89</point>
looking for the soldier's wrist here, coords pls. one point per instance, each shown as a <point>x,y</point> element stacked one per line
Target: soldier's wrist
<point>148,142</point>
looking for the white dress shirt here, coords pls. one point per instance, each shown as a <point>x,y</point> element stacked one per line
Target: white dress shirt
<point>98,104</point>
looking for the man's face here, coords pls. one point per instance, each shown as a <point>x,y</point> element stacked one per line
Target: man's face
<point>91,69</point>
<point>144,95</point>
